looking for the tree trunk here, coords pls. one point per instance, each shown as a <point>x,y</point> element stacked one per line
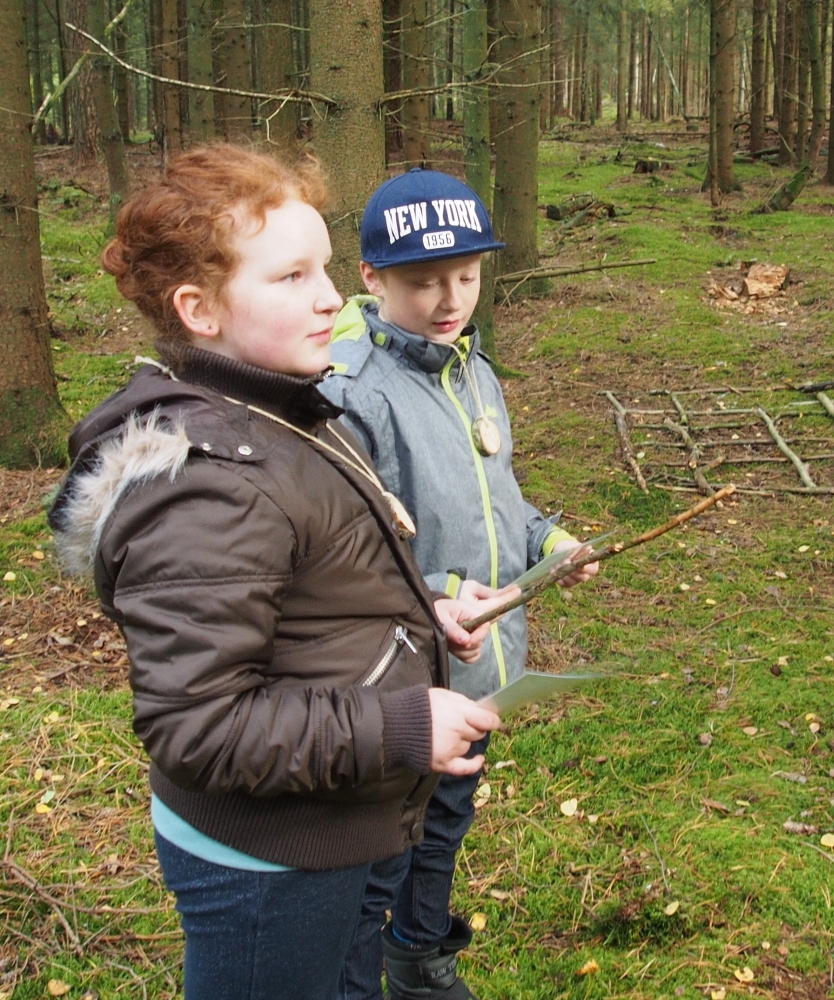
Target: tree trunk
<point>200,70</point>
<point>85,137</point>
<point>35,56</point>
<point>787,104</point>
<point>450,62</point>
<point>622,68</point>
<point>724,63</point>
<point>577,71</point>
<point>31,423</point>
<point>779,58</point>
<point>274,70</point>
<point>237,65</point>
<point>632,69</point>
<point>817,74</point>
<point>64,68</point>
<point>169,65</point>
<point>346,64</point>
<point>829,173</point>
<point>108,122</point>
<point>757,77</point>
<point>803,88</point>
<point>476,149</point>
<point>560,69</point>
<point>392,72</point>
<point>517,141</point>
<point>546,69</point>
<point>416,73</point>
<point>120,80</point>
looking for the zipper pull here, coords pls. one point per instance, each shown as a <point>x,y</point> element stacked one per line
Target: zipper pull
<point>401,636</point>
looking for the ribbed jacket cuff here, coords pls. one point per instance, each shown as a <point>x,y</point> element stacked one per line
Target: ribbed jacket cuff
<point>406,734</point>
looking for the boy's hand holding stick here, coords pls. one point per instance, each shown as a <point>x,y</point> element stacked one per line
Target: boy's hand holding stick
<point>591,555</point>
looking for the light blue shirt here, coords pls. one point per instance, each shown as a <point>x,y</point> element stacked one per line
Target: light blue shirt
<point>181,834</point>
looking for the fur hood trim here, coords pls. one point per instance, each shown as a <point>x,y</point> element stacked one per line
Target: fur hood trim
<point>144,450</point>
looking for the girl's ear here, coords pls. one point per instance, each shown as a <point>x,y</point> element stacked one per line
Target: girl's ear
<point>196,311</point>
<point>371,277</point>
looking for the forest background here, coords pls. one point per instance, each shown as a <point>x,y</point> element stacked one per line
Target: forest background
<point>669,829</point>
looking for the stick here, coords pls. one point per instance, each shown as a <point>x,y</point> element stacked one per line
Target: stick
<point>555,272</point>
<point>566,568</point>
<point>625,440</point>
<point>800,466</point>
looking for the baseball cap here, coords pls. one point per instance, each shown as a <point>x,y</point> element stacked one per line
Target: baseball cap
<point>424,215</point>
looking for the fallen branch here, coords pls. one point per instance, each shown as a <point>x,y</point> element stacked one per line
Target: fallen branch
<point>591,556</point>
<point>783,446</point>
<point>620,420</point>
<point>556,272</point>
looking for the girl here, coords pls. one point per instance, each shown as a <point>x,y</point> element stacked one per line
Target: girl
<point>288,664</point>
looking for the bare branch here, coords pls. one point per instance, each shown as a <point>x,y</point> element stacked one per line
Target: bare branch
<point>591,555</point>
<point>290,95</point>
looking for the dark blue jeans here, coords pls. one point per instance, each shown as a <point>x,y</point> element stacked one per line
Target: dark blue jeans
<point>414,886</point>
<point>262,935</point>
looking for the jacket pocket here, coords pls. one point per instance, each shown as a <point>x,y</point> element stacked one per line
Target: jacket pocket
<point>396,640</point>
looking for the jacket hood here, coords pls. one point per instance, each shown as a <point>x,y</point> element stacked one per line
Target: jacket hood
<point>428,355</point>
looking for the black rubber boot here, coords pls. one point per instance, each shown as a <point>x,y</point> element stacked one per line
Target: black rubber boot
<point>426,971</point>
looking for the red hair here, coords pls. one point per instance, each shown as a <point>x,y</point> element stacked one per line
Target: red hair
<point>180,230</point>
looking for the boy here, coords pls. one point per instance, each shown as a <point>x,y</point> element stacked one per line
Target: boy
<point>286,662</point>
<point>428,408</point>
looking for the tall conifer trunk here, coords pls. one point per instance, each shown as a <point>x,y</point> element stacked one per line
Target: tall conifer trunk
<point>517,141</point>
<point>477,148</point>
<point>108,121</point>
<point>200,102</point>
<point>724,91</point>
<point>757,76</point>
<point>274,69</point>
<point>416,75</point>
<point>30,413</point>
<point>346,64</point>
<point>622,68</point>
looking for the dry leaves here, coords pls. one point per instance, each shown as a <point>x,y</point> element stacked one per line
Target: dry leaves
<point>589,968</point>
<point>478,921</point>
<point>57,988</point>
<point>569,807</point>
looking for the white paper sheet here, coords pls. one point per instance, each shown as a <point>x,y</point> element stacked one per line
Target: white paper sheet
<point>530,687</point>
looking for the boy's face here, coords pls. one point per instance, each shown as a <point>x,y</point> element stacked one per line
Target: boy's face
<point>278,308</point>
<point>434,299</point>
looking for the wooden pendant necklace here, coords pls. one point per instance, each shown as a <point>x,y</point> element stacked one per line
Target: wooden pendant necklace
<point>402,521</point>
<point>485,432</point>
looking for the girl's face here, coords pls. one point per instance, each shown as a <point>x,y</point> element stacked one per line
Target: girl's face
<point>278,309</point>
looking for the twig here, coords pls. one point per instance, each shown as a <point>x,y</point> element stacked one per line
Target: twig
<point>290,94</point>
<point>30,882</point>
<point>783,446</point>
<point>625,442</point>
<point>555,272</point>
<point>657,852</point>
<point>695,452</point>
<point>571,565</point>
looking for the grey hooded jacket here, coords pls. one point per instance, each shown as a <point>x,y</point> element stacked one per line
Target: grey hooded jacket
<point>412,403</point>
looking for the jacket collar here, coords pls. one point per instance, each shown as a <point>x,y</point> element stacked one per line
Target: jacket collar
<point>273,391</point>
<point>427,355</point>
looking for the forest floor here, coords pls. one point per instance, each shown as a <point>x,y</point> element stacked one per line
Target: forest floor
<point>667,830</point>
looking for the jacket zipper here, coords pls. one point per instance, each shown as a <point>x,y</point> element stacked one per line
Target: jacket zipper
<point>400,639</point>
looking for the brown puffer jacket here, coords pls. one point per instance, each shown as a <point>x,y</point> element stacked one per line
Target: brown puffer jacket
<point>280,636</point>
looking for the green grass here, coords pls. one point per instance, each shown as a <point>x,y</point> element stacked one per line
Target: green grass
<point>710,729</point>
